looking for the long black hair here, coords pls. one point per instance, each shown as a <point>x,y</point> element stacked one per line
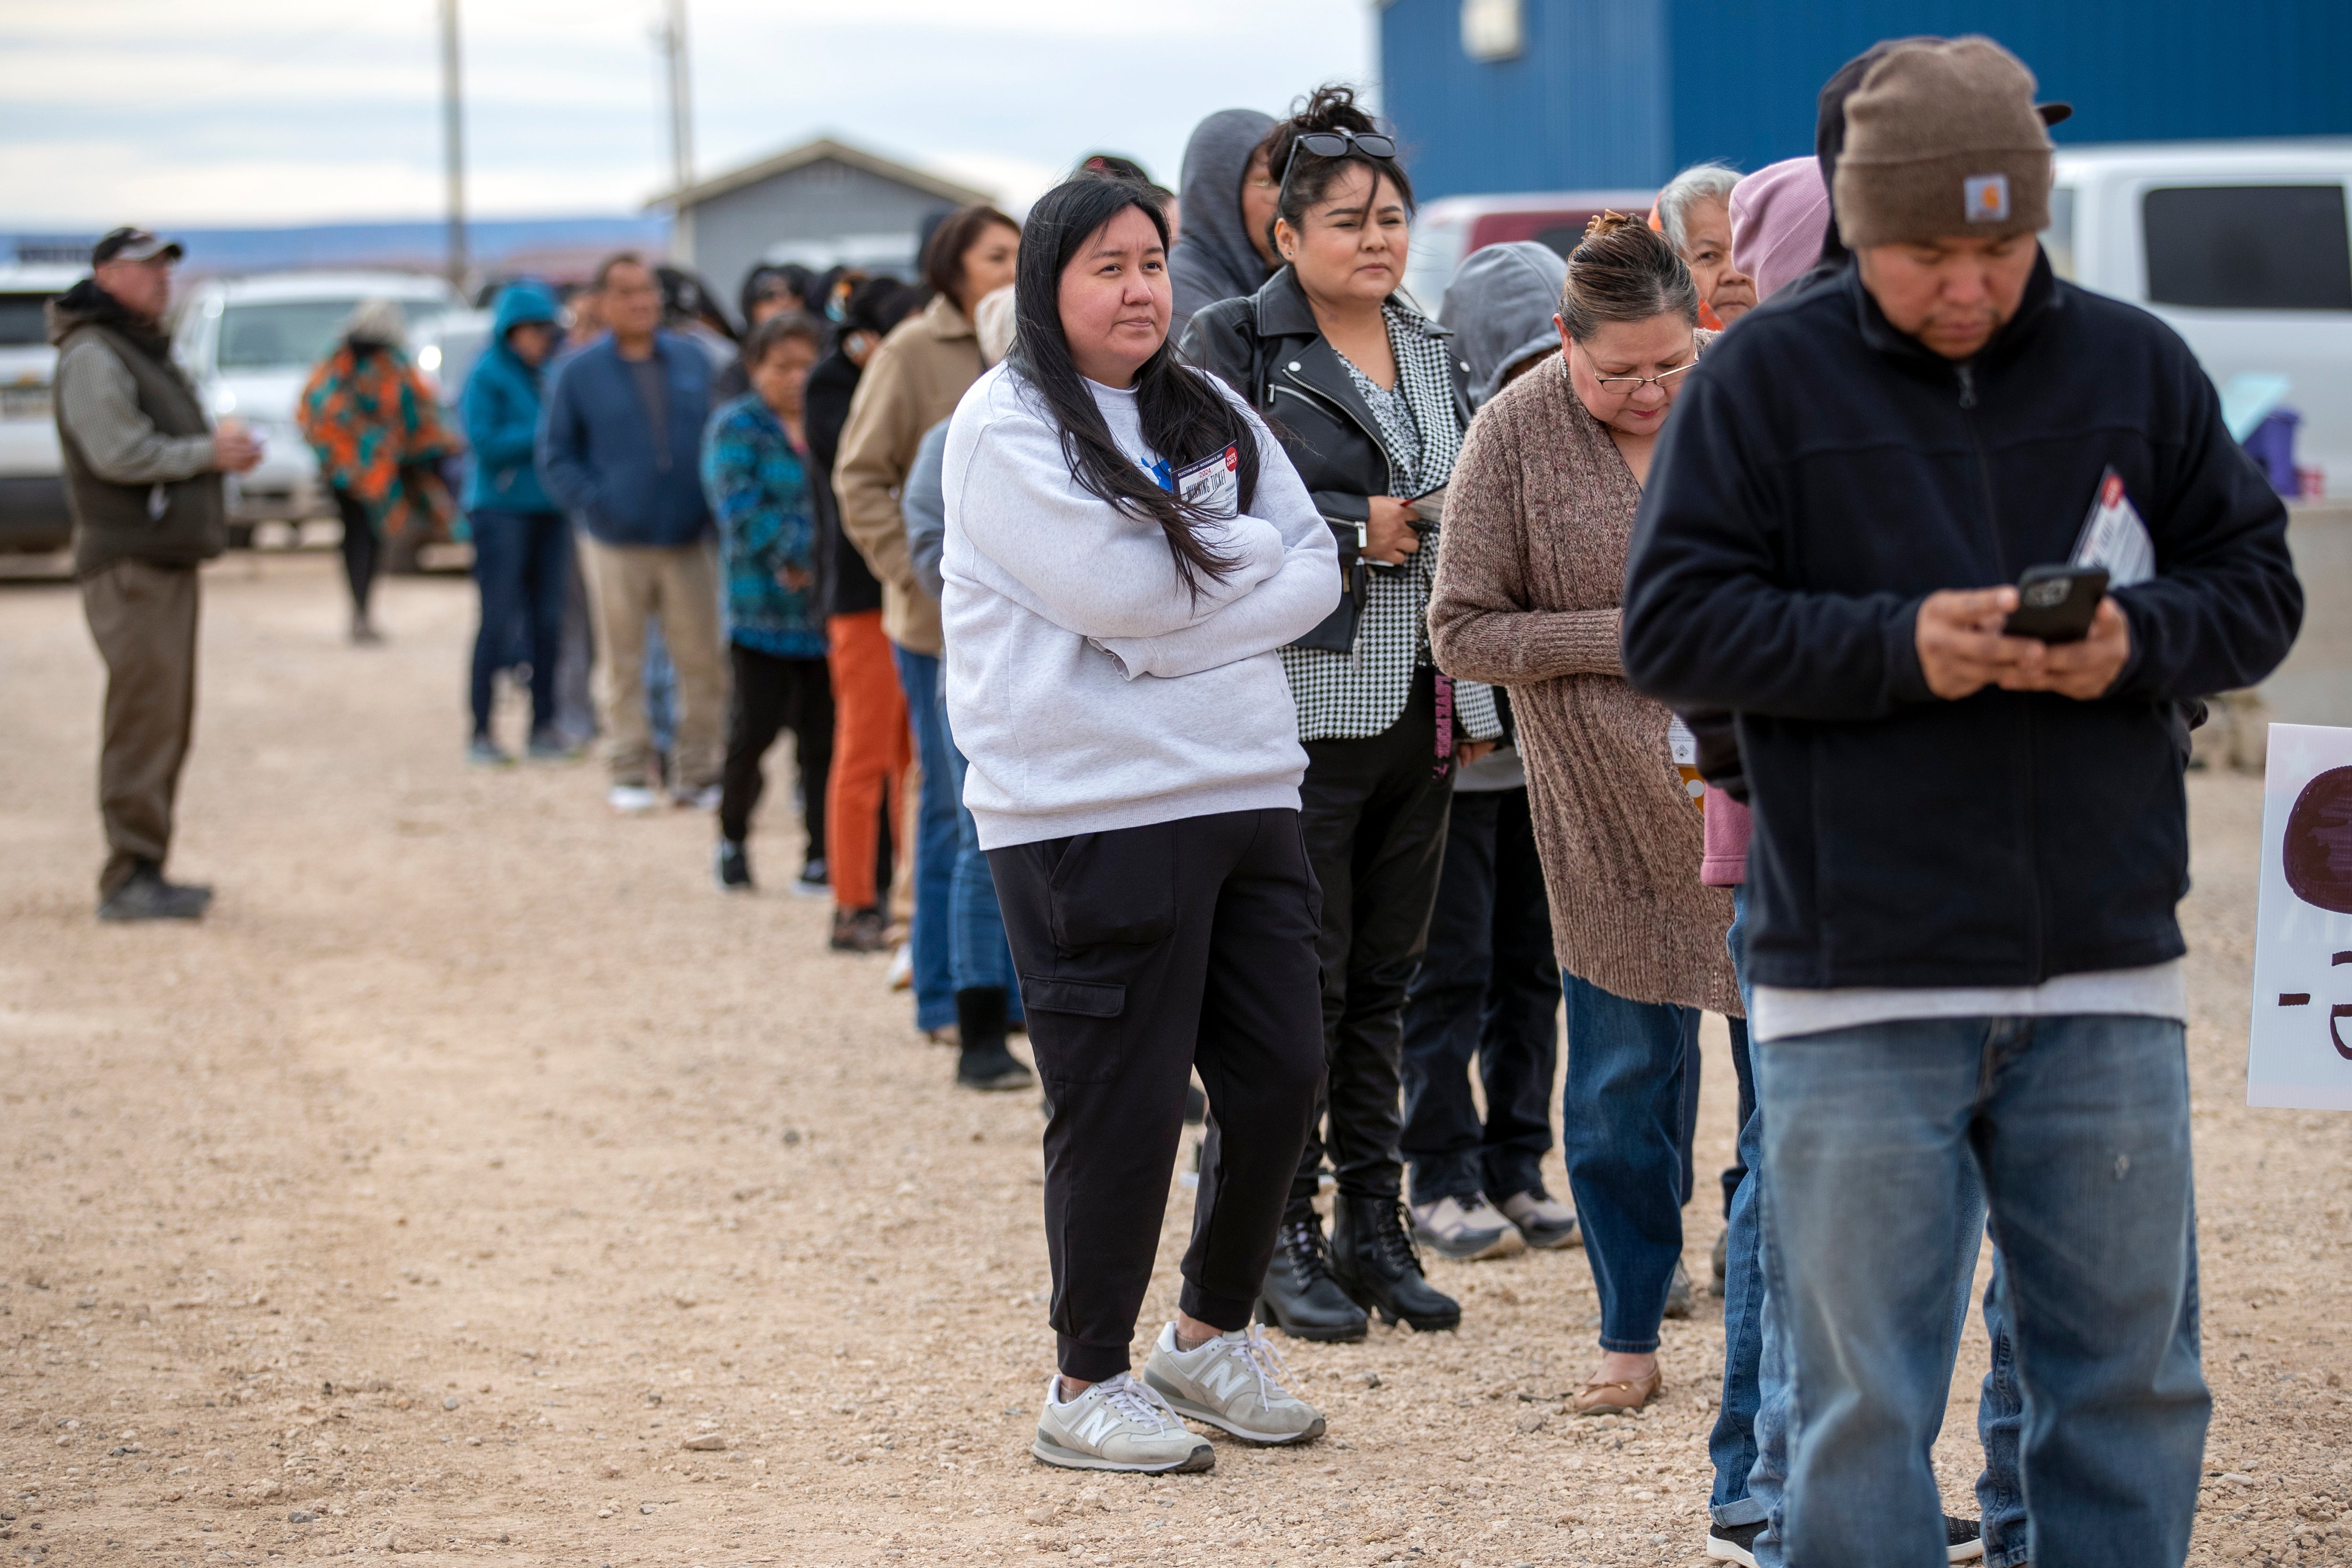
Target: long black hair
<point>1184,417</point>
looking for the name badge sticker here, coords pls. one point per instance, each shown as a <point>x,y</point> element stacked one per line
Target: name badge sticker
<point>2114,538</point>
<point>1213,484</point>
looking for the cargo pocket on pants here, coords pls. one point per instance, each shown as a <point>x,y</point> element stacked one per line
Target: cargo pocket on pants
<point>1073,1027</point>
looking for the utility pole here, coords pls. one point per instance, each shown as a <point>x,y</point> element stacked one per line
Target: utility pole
<point>453,142</point>
<point>672,34</point>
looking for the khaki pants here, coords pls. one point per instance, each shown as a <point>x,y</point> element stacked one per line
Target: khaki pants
<point>144,618</point>
<point>629,586</point>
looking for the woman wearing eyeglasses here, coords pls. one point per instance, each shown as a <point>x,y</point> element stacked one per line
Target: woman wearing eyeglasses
<point>1371,401</point>
<point>1528,596</point>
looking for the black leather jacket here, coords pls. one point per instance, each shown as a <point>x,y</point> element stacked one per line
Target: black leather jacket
<point>1267,347</point>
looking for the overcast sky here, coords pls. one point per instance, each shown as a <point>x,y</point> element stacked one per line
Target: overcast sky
<point>266,111</point>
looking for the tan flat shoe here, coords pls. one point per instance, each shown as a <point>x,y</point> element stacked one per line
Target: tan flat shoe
<point>1618,1399</point>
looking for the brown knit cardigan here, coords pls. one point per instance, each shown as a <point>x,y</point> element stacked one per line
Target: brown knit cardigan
<point>1529,583</point>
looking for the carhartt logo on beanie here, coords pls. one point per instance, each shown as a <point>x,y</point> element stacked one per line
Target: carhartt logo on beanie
<point>1942,139</point>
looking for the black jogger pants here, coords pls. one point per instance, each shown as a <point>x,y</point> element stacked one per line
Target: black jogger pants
<point>1144,953</point>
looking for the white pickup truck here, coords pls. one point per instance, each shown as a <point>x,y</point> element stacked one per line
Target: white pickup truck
<point>32,475</point>
<point>2245,248</point>
<point>250,344</point>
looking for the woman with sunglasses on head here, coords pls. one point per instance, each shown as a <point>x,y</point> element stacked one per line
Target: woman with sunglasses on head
<point>1125,549</point>
<point>1528,597</point>
<point>1372,402</point>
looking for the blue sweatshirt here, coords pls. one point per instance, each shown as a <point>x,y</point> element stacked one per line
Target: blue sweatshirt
<point>501,409</point>
<point>599,454</point>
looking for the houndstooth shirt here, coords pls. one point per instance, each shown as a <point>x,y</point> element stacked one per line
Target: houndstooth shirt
<point>1349,696</point>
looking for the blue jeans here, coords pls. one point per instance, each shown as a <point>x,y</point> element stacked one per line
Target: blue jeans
<point>1620,1130</point>
<point>522,562</point>
<point>978,953</point>
<point>2079,1128</point>
<point>1487,987</point>
<point>1750,1444</point>
<point>935,842</point>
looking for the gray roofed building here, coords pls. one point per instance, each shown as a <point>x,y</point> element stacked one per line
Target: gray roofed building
<point>819,203</point>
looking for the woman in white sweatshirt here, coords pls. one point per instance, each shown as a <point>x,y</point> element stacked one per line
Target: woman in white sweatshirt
<point>1127,548</point>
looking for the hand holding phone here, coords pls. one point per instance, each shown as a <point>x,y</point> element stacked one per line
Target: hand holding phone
<point>2056,603</point>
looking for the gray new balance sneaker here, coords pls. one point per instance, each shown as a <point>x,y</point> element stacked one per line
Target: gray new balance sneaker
<point>1234,1381</point>
<point>1116,1425</point>
<point>1465,1228</point>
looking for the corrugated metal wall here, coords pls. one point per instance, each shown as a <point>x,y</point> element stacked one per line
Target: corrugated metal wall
<point>1625,91</point>
<point>1581,106</point>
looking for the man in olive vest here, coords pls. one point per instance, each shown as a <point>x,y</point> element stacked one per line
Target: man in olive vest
<point>143,470</point>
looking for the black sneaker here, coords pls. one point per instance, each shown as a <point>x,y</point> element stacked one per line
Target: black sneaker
<point>815,880</point>
<point>992,1070</point>
<point>731,867</point>
<point>1963,1540</point>
<point>858,931</point>
<point>1733,1542</point>
<point>147,896</point>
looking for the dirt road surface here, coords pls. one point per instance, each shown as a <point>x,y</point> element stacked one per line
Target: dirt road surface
<point>476,1185</point>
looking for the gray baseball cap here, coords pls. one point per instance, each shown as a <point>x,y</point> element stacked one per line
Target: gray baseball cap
<point>133,245</point>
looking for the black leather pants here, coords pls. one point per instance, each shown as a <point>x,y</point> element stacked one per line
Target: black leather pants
<point>1373,812</point>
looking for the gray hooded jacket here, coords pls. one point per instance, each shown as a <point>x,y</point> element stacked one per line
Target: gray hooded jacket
<point>1214,258</point>
<point>1499,308</point>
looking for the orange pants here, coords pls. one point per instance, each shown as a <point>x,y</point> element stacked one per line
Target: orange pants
<point>872,749</point>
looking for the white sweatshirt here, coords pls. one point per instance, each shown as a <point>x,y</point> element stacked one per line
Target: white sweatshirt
<point>1085,686</point>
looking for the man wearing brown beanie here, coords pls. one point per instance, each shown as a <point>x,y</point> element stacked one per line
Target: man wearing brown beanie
<point>1969,840</point>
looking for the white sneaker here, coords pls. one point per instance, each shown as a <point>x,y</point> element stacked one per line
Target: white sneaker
<point>1542,1218</point>
<point>900,975</point>
<point>630,800</point>
<point>705,798</point>
<point>1234,1381</point>
<point>1116,1425</point>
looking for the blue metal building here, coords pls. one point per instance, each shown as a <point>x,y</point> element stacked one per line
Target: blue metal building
<point>1530,95</point>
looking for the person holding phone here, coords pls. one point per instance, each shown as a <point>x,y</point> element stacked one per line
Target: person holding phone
<point>1967,843</point>
<point>1126,550</point>
<point>1372,400</point>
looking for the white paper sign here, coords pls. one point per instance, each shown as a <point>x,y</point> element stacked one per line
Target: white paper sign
<point>2299,1048</point>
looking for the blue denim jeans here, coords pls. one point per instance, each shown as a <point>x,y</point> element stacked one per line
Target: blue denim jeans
<point>978,953</point>
<point>935,842</point>
<point>1750,1444</point>
<point>1621,1131</point>
<point>2079,1130</point>
<point>522,561</point>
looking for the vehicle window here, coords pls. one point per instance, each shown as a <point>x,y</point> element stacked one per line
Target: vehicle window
<point>2058,239</point>
<point>287,334</point>
<point>20,320</point>
<point>2249,248</point>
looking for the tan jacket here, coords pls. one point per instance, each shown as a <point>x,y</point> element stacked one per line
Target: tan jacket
<point>1538,522</point>
<point>914,380</point>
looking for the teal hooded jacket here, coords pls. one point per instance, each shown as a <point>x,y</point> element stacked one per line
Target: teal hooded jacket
<point>500,407</point>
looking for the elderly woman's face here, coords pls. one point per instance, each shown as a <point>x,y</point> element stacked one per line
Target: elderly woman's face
<point>1706,230</point>
<point>1603,366</point>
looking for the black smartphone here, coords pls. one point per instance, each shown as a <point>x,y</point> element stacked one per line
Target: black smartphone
<point>2055,603</point>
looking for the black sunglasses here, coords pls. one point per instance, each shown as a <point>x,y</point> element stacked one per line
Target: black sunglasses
<point>1334,144</point>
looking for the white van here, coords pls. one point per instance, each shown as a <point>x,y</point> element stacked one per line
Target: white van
<point>2243,248</point>
<point>32,475</point>
<point>250,344</point>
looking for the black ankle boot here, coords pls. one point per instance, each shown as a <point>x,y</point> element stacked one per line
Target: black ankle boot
<point>984,1063</point>
<point>1300,1297</point>
<point>1373,1260</point>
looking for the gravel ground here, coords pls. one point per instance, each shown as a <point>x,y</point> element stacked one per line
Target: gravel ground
<point>477,1184</point>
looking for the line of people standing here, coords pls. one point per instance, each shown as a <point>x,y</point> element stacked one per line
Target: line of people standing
<point>1980,1019</point>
